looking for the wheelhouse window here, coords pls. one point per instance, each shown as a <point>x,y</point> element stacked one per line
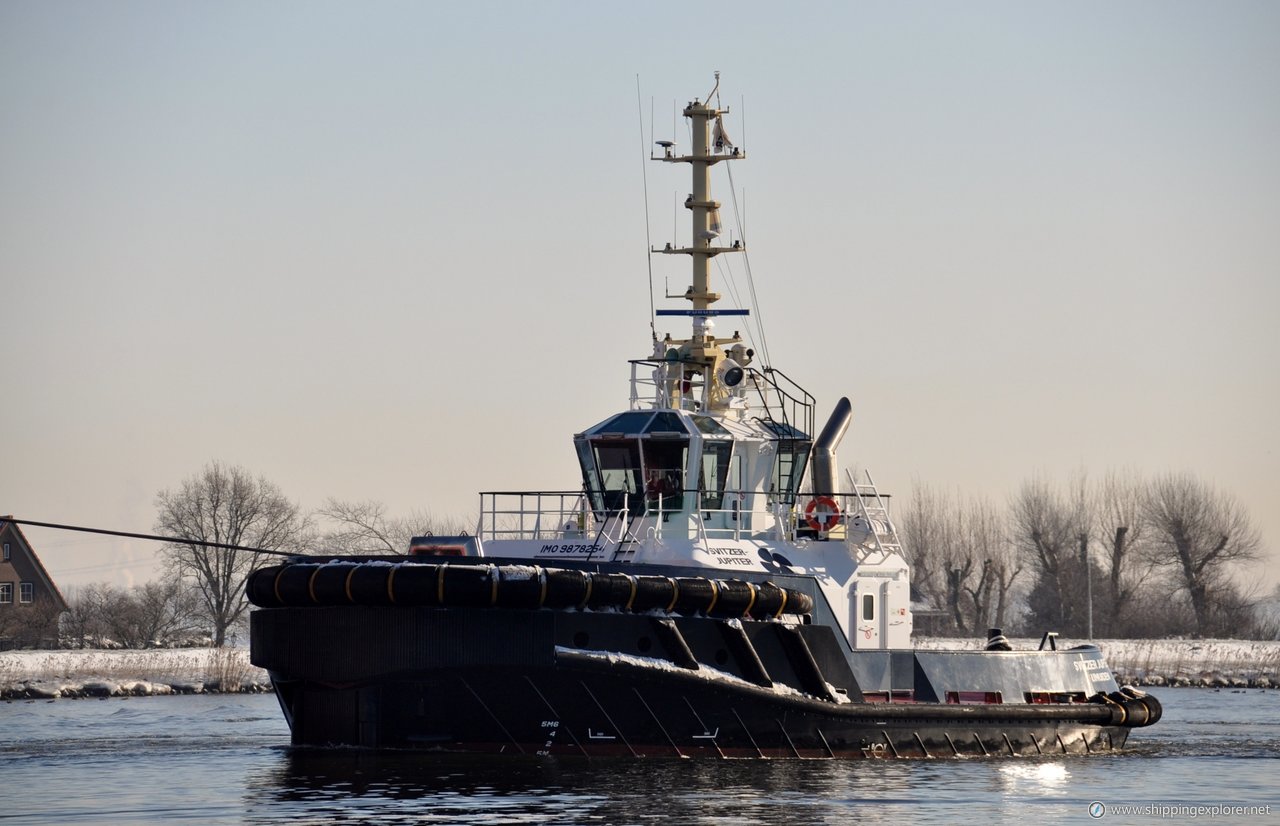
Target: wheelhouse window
<point>664,464</point>
<point>618,462</point>
<point>713,470</point>
<point>636,460</point>
<point>590,479</point>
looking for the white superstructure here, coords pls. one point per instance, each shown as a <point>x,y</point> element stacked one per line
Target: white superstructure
<point>714,465</point>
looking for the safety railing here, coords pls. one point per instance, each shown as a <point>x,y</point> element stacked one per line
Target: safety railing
<point>535,515</point>
<point>548,515</point>
<point>687,385</point>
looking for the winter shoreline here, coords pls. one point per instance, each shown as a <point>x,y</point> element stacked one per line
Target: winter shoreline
<point>76,673</point>
<point>47,675</point>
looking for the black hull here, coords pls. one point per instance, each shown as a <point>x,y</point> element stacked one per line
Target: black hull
<point>509,681</point>
<point>507,711</point>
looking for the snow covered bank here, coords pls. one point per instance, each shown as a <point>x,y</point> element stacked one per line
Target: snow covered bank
<point>102,673</point>
<point>1215,663</point>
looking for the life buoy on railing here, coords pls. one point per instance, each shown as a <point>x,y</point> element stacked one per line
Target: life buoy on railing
<point>822,514</point>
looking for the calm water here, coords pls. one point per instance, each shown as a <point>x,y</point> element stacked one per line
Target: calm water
<point>223,759</point>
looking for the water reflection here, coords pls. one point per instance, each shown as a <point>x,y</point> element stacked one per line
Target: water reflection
<point>349,786</point>
<point>1038,779</point>
<point>220,760</point>
<point>353,786</point>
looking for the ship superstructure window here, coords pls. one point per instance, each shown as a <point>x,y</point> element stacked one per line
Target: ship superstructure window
<point>715,472</point>
<point>868,607</point>
<point>618,462</point>
<point>664,464</point>
<point>636,460</point>
<point>590,479</point>
<point>790,462</point>
<point>6,593</point>
<point>709,426</point>
<point>788,469</point>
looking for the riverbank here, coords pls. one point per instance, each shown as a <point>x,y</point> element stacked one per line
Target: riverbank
<point>101,673</point>
<point>128,673</point>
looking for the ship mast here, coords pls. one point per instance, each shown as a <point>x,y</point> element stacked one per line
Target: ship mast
<point>703,347</point>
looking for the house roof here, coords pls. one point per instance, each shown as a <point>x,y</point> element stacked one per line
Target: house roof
<point>7,525</point>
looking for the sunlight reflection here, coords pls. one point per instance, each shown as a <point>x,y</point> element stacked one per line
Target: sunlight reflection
<point>1043,778</point>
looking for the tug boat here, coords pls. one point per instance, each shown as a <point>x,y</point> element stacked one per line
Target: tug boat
<point>711,589</point>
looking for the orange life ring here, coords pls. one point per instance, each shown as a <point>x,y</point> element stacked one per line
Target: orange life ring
<point>825,521</point>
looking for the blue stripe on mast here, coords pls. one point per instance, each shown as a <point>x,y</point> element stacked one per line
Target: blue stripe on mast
<point>702,312</point>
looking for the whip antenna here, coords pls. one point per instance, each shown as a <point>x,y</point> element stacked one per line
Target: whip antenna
<point>648,241</point>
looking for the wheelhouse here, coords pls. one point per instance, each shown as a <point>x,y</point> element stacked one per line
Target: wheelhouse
<point>667,462</point>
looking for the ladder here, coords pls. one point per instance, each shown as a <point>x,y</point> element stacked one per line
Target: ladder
<point>884,534</point>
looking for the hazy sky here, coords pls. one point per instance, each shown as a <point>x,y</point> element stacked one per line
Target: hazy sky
<point>395,251</point>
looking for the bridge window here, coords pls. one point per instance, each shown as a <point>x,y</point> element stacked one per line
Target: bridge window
<point>590,479</point>
<point>618,461</point>
<point>664,467</point>
<point>636,460</point>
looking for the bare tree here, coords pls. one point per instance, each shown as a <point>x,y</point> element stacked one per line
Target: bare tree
<point>1121,528</point>
<point>34,626</point>
<point>987,537</point>
<point>85,623</point>
<point>922,525</point>
<point>151,614</point>
<point>959,562</point>
<point>1044,537</point>
<point>226,505</point>
<point>364,527</point>
<point>1198,531</point>
<point>961,558</point>
<point>1048,527</point>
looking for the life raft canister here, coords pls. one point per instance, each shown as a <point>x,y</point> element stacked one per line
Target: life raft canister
<point>822,513</point>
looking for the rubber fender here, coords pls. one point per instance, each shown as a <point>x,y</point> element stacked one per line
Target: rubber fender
<point>521,586</point>
<point>411,585</point>
<point>736,598</point>
<point>770,600</point>
<point>1138,714</point>
<point>293,585</point>
<point>1119,716</point>
<point>611,591</point>
<point>367,585</point>
<point>329,583</point>
<point>1154,710</point>
<point>567,588</point>
<point>261,588</point>
<point>695,595</point>
<point>467,585</point>
<point>653,592</point>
